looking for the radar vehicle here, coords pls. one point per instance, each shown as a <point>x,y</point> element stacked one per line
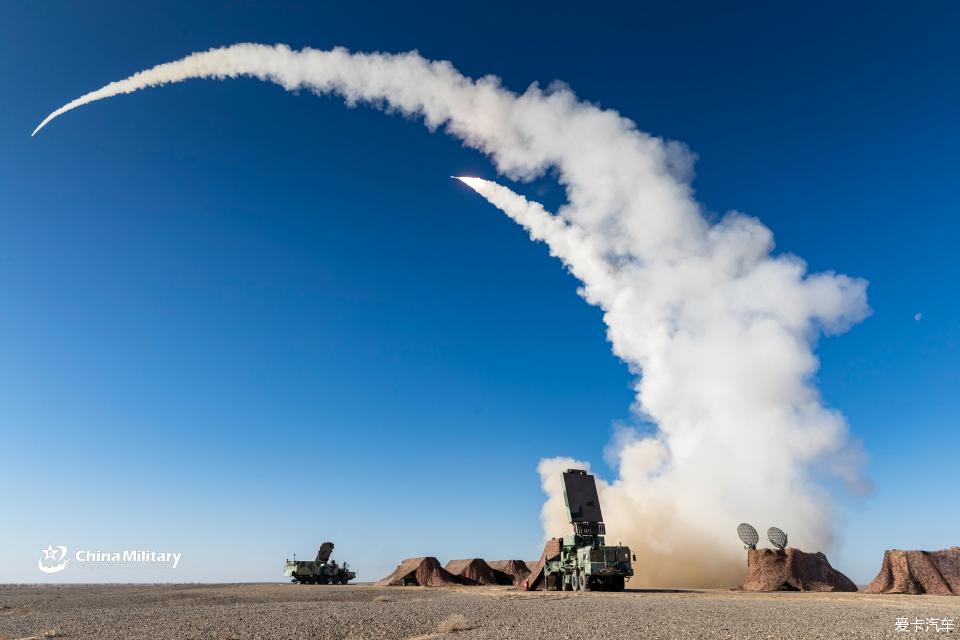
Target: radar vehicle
<point>586,563</point>
<point>323,570</point>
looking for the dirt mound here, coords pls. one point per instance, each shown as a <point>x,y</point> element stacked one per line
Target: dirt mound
<point>421,572</point>
<point>516,570</point>
<point>916,572</point>
<point>551,551</point>
<point>477,571</point>
<point>792,570</point>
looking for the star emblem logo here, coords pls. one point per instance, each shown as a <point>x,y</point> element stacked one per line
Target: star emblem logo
<point>51,554</point>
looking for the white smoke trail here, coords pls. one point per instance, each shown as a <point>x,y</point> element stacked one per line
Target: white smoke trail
<point>722,339</point>
<point>718,329</point>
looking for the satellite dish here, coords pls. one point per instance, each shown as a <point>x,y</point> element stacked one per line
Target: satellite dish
<point>748,535</point>
<point>777,538</point>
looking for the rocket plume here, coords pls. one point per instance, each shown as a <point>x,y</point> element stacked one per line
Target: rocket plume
<point>718,329</point>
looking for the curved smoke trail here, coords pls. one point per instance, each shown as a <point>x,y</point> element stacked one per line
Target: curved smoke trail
<point>718,329</point>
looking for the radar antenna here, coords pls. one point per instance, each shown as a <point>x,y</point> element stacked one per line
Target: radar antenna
<point>748,535</point>
<point>583,503</point>
<point>777,538</point>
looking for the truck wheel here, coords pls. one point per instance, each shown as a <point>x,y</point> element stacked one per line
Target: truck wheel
<point>574,582</point>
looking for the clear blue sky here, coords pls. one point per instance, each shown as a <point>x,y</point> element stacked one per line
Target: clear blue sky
<point>236,322</point>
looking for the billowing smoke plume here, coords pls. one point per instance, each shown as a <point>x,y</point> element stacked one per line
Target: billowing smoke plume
<point>721,337</point>
<point>717,329</point>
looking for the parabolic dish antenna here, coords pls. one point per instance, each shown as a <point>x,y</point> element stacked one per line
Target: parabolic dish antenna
<point>777,538</point>
<point>748,535</point>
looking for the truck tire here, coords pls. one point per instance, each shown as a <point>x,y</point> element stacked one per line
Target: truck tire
<point>575,581</point>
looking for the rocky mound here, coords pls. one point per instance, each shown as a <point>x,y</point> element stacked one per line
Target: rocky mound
<point>421,572</point>
<point>792,570</point>
<point>551,551</point>
<point>477,571</point>
<point>916,572</point>
<point>516,570</point>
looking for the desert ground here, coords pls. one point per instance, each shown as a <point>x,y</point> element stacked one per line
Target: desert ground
<point>252,611</point>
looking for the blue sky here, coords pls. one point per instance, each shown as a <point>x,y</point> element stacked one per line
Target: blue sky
<point>237,322</point>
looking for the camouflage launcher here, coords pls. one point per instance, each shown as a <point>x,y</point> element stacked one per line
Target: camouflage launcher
<point>585,563</point>
<point>319,571</point>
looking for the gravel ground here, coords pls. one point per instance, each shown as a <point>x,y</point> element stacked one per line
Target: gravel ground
<point>252,611</point>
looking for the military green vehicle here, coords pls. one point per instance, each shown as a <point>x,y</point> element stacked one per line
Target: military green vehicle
<point>585,563</point>
<point>319,571</point>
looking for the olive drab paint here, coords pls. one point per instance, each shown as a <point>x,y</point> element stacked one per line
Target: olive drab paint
<point>585,562</point>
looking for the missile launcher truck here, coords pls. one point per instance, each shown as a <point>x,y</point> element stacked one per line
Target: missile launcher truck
<point>319,571</point>
<point>585,563</point>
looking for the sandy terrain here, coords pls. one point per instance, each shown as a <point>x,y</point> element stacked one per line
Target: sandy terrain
<point>249,611</point>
